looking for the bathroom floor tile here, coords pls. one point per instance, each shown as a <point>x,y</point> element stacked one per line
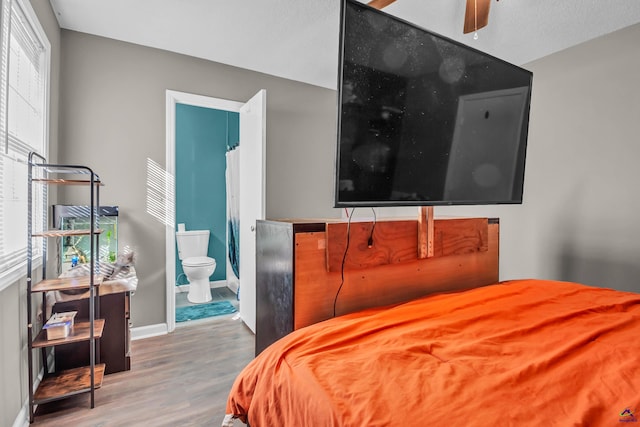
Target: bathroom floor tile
<point>217,294</point>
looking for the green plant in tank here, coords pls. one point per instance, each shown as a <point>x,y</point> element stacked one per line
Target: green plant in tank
<point>111,257</point>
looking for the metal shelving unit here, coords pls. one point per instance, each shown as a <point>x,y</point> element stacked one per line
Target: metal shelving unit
<point>55,384</point>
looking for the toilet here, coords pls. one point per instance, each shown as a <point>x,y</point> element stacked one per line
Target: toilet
<point>192,251</point>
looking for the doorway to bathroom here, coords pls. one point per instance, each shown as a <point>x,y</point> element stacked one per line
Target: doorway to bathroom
<point>206,173</point>
<point>201,133</point>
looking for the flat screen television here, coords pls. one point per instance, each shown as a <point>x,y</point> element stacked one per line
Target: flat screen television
<point>424,120</point>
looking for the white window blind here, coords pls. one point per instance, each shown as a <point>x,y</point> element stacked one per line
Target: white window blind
<point>24,73</point>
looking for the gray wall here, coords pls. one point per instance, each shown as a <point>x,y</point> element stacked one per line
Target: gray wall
<point>12,352</point>
<point>112,118</point>
<point>583,190</point>
<point>579,219</point>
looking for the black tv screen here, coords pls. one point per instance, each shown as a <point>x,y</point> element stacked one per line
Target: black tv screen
<point>424,120</point>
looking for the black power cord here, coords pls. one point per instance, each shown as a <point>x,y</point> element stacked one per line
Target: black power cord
<point>373,227</point>
<point>344,258</point>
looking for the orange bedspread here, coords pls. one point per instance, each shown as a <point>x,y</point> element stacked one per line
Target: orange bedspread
<point>519,353</point>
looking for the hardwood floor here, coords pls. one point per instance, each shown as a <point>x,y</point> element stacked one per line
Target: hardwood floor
<point>180,379</point>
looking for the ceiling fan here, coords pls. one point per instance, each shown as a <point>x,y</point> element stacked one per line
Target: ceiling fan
<point>476,14</point>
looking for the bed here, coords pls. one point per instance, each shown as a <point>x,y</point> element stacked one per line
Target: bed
<point>525,352</point>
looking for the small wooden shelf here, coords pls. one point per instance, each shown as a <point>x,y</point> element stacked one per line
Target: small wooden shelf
<point>86,375</point>
<point>68,383</point>
<point>79,332</point>
<point>66,284</point>
<point>62,233</point>
<point>66,181</point>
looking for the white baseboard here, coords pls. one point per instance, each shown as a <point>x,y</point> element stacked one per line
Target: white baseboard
<point>218,284</point>
<point>148,331</point>
<point>234,285</point>
<point>22,420</point>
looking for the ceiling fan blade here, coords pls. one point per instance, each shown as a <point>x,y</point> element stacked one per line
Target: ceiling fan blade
<point>477,15</point>
<point>380,4</point>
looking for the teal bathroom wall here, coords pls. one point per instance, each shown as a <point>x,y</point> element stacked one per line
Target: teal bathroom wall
<point>203,136</point>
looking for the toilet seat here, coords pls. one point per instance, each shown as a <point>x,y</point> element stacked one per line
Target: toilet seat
<point>198,261</point>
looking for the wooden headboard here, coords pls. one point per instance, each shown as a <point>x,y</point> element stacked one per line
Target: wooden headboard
<point>301,265</point>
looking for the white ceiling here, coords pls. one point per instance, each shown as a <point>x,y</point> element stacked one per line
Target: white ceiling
<point>298,39</point>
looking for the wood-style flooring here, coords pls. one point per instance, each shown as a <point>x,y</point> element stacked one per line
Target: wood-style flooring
<point>179,379</point>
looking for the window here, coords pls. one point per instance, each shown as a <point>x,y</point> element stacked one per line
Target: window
<point>24,86</point>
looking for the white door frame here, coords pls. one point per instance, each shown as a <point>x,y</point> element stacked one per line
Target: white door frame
<point>173,98</point>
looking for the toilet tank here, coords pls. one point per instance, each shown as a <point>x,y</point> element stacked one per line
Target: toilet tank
<point>192,243</point>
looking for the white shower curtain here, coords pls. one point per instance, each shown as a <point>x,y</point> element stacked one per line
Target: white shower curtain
<point>233,228</point>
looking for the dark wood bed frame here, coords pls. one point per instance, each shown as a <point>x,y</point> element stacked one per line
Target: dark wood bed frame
<point>301,266</point>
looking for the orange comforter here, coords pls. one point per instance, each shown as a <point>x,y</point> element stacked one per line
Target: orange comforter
<point>520,353</point>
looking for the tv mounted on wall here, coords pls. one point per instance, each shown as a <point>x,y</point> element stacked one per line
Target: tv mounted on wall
<point>424,120</point>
